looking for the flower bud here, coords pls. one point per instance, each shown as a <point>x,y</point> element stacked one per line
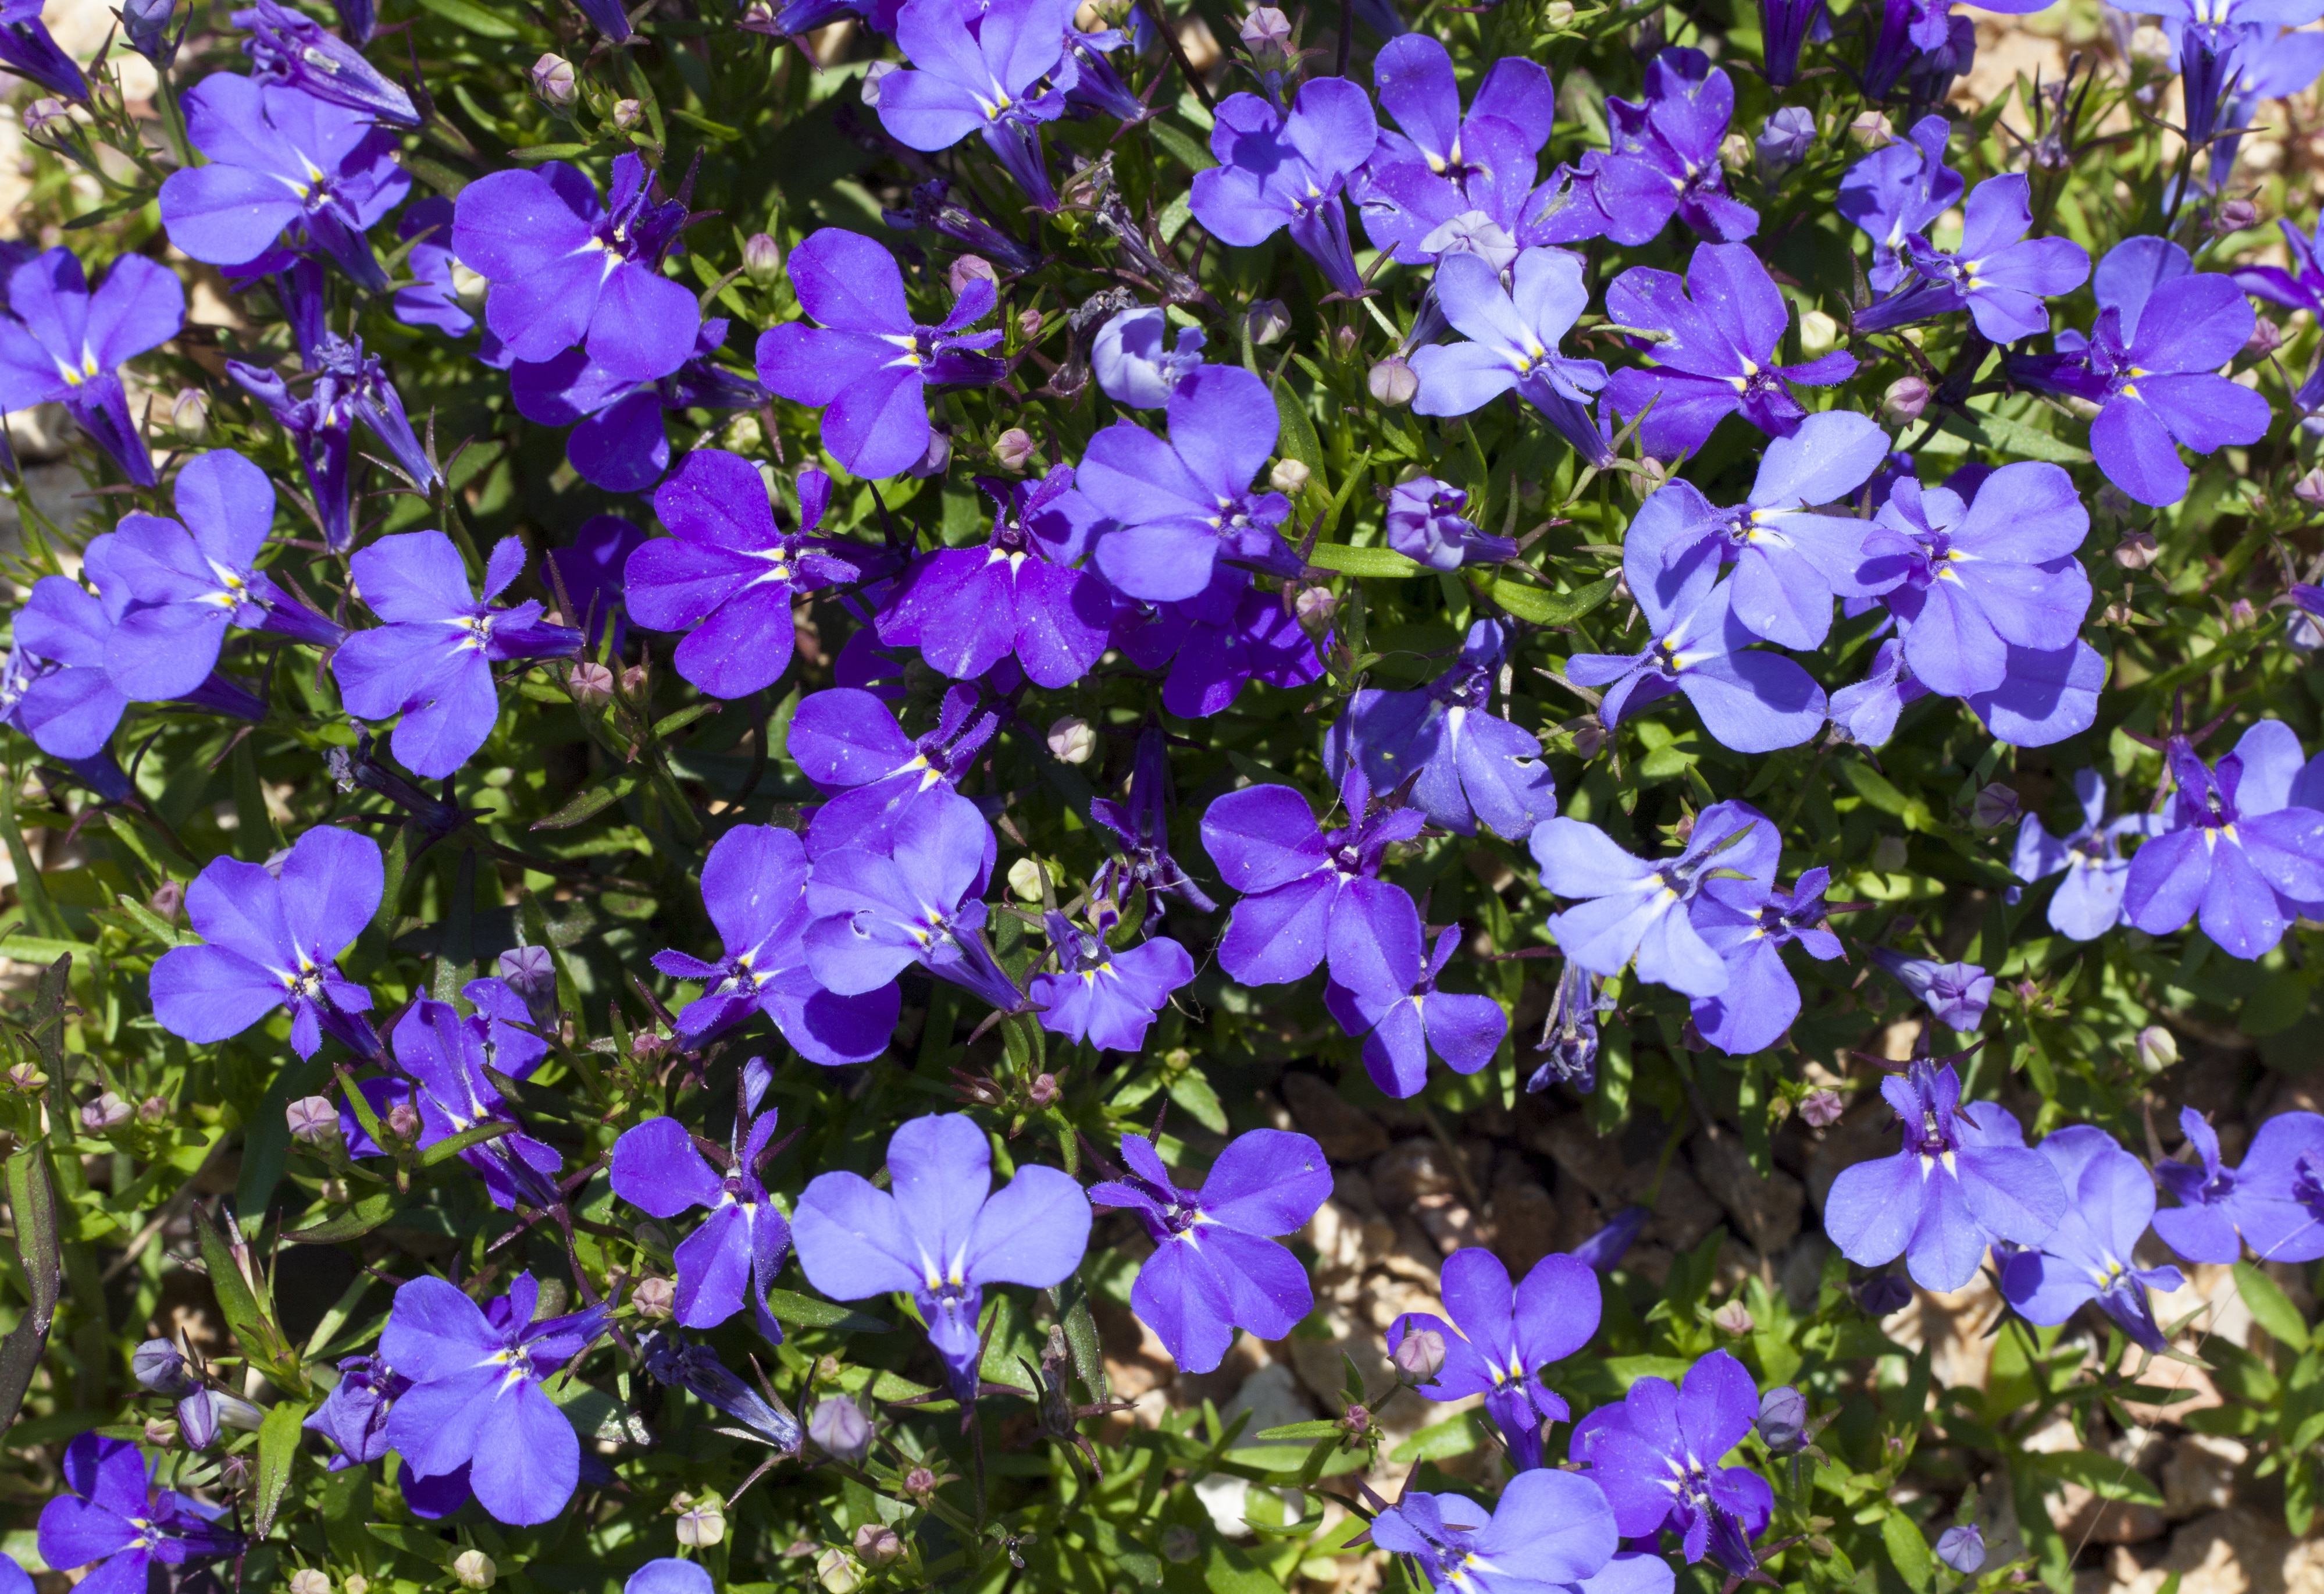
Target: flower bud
<point>762,260</point>
<point>1344,339</point>
<point>1994,806</point>
<point>919,1483</point>
<point>2310,489</point>
<point>1883,1294</point>
<point>877,1543</point>
<point>307,1580</point>
<point>2266,339</point>
<point>1316,606</point>
<point>153,1110</point>
<point>48,115</point>
<point>2234,216</point>
<point>633,680</point>
<point>1819,334</point>
<point>1588,734</point>
<point>1266,37</point>
<point>840,1427</point>
<point>2135,552</point>
<point>26,1077</point>
<point>1906,397</point>
<point>158,1366</point>
<point>1785,141</point>
<point>1029,323</point>
<point>629,114</point>
<point>189,414</point>
<point>1872,131</point>
<point>699,1526</point>
<point>1734,1318</point>
<point>2157,1047</point>
<point>1961,1548</point>
<point>837,1571</point>
<point>197,1420</point>
<point>108,1111</point>
<point>357,1583</point>
<point>1735,153</point>
<point>1782,1420</point>
<point>1267,320</point>
<point>1419,1356</point>
<point>933,462</point>
<point>168,898</point>
<point>532,973</point>
<point>655,1298</point>
<point>403,1120</point>
<point>1026,880</point>
<point>1356,1421</point>
<point>592,685</point>
<point>1289,478</point>
<point>313,1119</point>
<point>1073,740</point>
<point>1391,382</point>
<point>161,1433</point>
<point>873,75</point>
<point>1180,1543</point>
<point>473,1569</point>
<point>1821,1109</point>
<point>971,268</point>
<point>1014,448</point>
<point>552,82</point>
<point>1043,1092</point>
<point>1557,15</point>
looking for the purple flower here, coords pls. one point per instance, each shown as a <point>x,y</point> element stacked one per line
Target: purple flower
<point>1214,644</point>
<point>1910,36</point>
<point>755,889</point>
<point>1132,366</point>
<point>2262,1204</point>
<point>987,82</point>
<point>1425,524</point>
<point>727,576</point>
<point>1631,908</point>
<point>62,344</point>
<point>1501,1341</point>
<point>349,385</point>
<point>2110,1196</point>
<point>734,1254</point>
<point>847,742</point>
<point>1444,166</point>
<point>477,1399</point>
<point>1784,28</point>
<point>2151,363</point>
<point>1999,274</point>
<point>698,1370</point>
<point>1548,1530</point>
<point>1138,832</point>
<point>1961,1548</point>
<point>1183,503</point>
<point>619,442</point>
<point>1957,994</point>
<point>146,25</point>
<point>2239,855</point>
<point>2044,696</point>
<point>1106,998</point>
<point>1512,346</point>
<point>1663,163</point>
<point>670,1575</point>
<point>1896,192</point>
<point>431,661</point>
<point>1216,1265</point>
<point>1569,1033</point>
<point>1657,1455</point>
<point>433,301</point>
<point>1096,86</point>
<point>1465,765</point>
<point>1963,1179</point>
<point>1718,359</point>
<point>28,49</point>
<point>868,366</point>
<point>271,942</point>
<point>1761,998</point>
<point>1401,1022</point>
<point>280,158</point>
<point>188,579</point>
<point>1309,894</point>
<point>877,913</point>
<point>354,1415</point>
<point>444,1057</point>
<point>1276,170</point>
<point>939,1233</point>
<point>589,575</point>
<point>293,51</point>
<point>111,1511</point>
<point>2299,288</point>
<point>567,269</point>
<point>1789,562</point>
<point>2088,901</point>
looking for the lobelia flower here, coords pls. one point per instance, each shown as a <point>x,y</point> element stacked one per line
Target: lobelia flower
<point>2261,1204</point>
<point>2110,1196</point>
<point>1402,1021</point>
<point>1761,998</point>
<point>2211,35</point>
<point>1998,274</point>
<point>2044,696</point>
<point>431,661</point>
<point>566,268</point>
<point>1657,1455</point>
<point>189,579</point>
<point>110,1512</point>
<point>932,207</point>
<point>1214,644</point>
<point>348,385</point>
<point>940,1233</point>
<point>354,1415</point>
<point>607,16</point>
<point>698,1370</point>
<point>2300,287</point>
<point>1501,1341</point>
<point>1604,1250</point>
<point>619,441</point>
<point>1957,994</point>
<point>1789,562</point>
<point>848,743</point>
<point>281,159</point>
<point>1718,357</point>
<point>1441,165</point>
<point>1183,503</point>
<point>1512,346</point>
<point>1464,764</point>
<point>735,1254</point>
<point>1569,1033</point>
<point>1277,170</point>
<point>877,913</point>
<point>990,80</point>
<point>1963,1181</point>
<point>145,23</point>
<point>1106,998</point>
<point>1425,524</point>
<point>868,366</point>
<point>28,49</point>
<point>271,941</point>
<point>445,290</point>
<point>1894,193</point>
<point>1138,832</point>
<point>2151,363</point>
<point>1635,909</point>
<point>1783,142</point>
<point>728,573</point>
<point>2088,901</point>
<point>60,343</point>
<point>444,1057</point>
<point>477,1401</point>
<point>1308,894</point>
<point>1097,85</point>
<point>1548,1530</point>
<point>754,890</point>
<point>1961,1548</point>
<point>1784,28</point>
<point>1132,366</point>
<point>588,576</point>
<point>1216,1264</point>
<point>291,51</point>
<point>1663,163</point>
<point>2239,856</point>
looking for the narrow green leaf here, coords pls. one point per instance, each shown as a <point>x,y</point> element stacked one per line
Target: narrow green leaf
<point>33,1207</point>
<point>422,1542</point>
<point>1181,146</point>
<point>1455,1436</point>
<point>1908,1551</point>
<point>805,1311</point>
<point>2099,1473</point>
<point>1551,608</point>
<point>2014,438</point>
<point>1363,562</point>
<point>153,925</point>
<point>2271,1308</point>
<point>475,20</point>
<point>353,1223</point>
<point>592,801</point>
<point>452,1146</point>
<point>1318,1428</point>
<point>278,1458</point>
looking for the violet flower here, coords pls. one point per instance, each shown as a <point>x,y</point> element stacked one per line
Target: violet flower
<point>567,268</point>
<point>476,1400</point>
<point>1442,164</point>
<point>1401,1022</point>
<point>868,366</point>
<point>990,80</point>
<point>353,1415</point>
<point>1761,998</point>
<point>1783,27</point>
<point>1657,1455</point>
<point>728,574</point>
<point>1214,644</point>
<point>1276,170</point>
<point>1102,997</point>
<point>1425,524</point>
<point>28,49</point>
<point>754,890</point>
<point>61,343</point>
<point>1718,358</point>
<point>940,1234</point>
<point>619,441</point>
<point>698,1370</point>
<point>2044,697</point>
<point>1569,1033</point>
<point>2300,287</point>
<point>145,23</point>
<point>1132,366</point>
<point>2088,903</point>
<point>55,686</point>
<point>434,299</point>
<point>278,160</point>
<point>1548,1530</point>
<point>2240,857</point>
<point>876,913</point>
<point>2259,1204</point>
<point>735,1254</point>
<point>291,51</point>
<point>1963,1179</point>
<point>932,207</point>
<point>1998,274</point>
<point>848,743</point>
<point>1513,346</point>
<point>1663,163</point>
<point>1216,1264</point>
<point>1096,86</point>
<point>1138,830</point>
<point>608,17</point>
<point>110,1512</point>
<point>444,1057</point>
<point>590,575</point>
<point>348,385</point>
<point>1956,994</point>
<point>1896,192</point>
<point>2110,1198</point>
<point>1500,1340</point>
<point>271,941</point>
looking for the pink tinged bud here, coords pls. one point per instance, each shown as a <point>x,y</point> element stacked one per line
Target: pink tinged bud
<point>629,114</point>
<point>2234,216</point>
<point>936,459</point>
<point>1265,28</point>
<point>654,1298</point>
<point>919,1483</point>
<point>1316,606</point>
<point>1995,806</point>
<point>1043,1090</point>
<point>1345,340</point>
<point>313,1119</point>
<point>168,898</point>
<point>1589,737</point>
<point>876,1544</point>
<point>1267,320</point>
<point>1420,1356</point>
<point>2135,552</point>
<point>161,1433</point>
<point>1821,1109</point>
<point>1029,323</point>
<point>2311,488</point>
<point>48,115</point>
<point>1734,1318</point>
<point>1392,382</point>
<point>762,260</point>
<point>153,1110</point>
<point>592,685</point>
<point>971,268</point>
<point>2157,1047</point>
<point>1906,397</point>
<point>403,1120</point>
<point>1015,449</point>
<point>1073,740</point>
<point>2241,614</point>
<point>2266,339</point>
<point>841,1429</point>
<point>633,680</point>
<point>108,1111</point>
<point>552,81</point>
<point>1357,1420</point>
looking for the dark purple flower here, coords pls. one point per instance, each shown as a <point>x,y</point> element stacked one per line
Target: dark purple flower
<point>1132,366</point>
<point>444,1057</point>
<point>2044,696</point>
<point>146,24</point>
<point>619,442</point>
<point>568,269</point>
<point>1228,634</point>
<point>2110,1198</point>
<point>2261,1204</point>
<point>1512,346</point>
<point>1761,998</point>
<point>868,366</point>
<point>1548,1530</point>
<point>1276,170</point>
<point>28,49</point>
<point>431,661</point>
<point>348,386</point>
<point>1501,1340</point>
<point>1631,908</point>
<point>1896,193</point>
<point>1905,34</point>
<point>727,575</point>
<point>293,51</point>
<point>1441,165</point>
<point>271,941</point>
<point>281,159</point>
<point>1718,358</point>
<point>1657,1455</point>
<point>875,914</point>
<point>932,207</point>
<point>609,17</point>
<point>735,1254</point>
<point>2300,287</point>
<point>1425,524</point>
<point>436,299</point>
<point>1106,998</point>
<point>1604,1250</point>
<point>1096,86</point>
<point>2088,901</point>
<point>940,1234</point>
<point>111,1511</point>
<point>1216,1265</point>
<point>989,81</point>
<point>1569,1033</point>
<point>1955,994</point>
<point>354,1415</point>
<point>1138,832</point>
<point>1784,26</point>
<point>1998,274</point>
<point>698,1370</point>
<point>591,574</point>
<point>2239,855</point>
<point>848,744</point>
<point>62,343</point>
<point>1663,163</point>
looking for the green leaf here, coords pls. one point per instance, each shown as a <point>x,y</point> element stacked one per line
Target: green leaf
<point>1181,146</point>
<point>1455,1436</point>
<point>278,1458</point>
<point>2014,438</point>
<point>1318,1428</point>
<point>705,125</point>
<point>351,1223</point>
<point>592,802</point>
<point>805,1311</point>
<point>1627,1370</point>
<point>1363,562</point>
<point>475,20</point>
<point>2099,1473</point>
<point>1193,1095</point>
<point>422,1543</point>
<point>452,1146</point>
<point>33,1206</point>
<point>1551,608</point>
<point>2271,1308</point>
<point>1073,1303</point>
<point>154,925</point>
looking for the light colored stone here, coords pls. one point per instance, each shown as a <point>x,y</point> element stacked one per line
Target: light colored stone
<point>1765,1207</point>
<point>2237,1550</point>
<point>1957,1325</point>
<point>1345,1131</point>
<point>1527,1224</point>
<point>2198,1475</point>
<point>1412,1172</point>
<point>1273,1397</point>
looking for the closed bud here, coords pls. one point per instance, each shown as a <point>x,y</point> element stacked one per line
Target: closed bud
<point>158,1366</point>
<point>591,684</point>
<point>1906,397</point>
<point>48,115</point>
<point>1316,606</point>
<point>1014,448</point>
<point>357,1583</point>
<point>1557,15</point>
<point>2241,614</point>
<point>1356,1422</point>
<point>2310,489</point>
<point>838,1571</point>
<point>629,114</point>
<point>1043,1092</point>
<point>873,75</point>
<point>403,1120</point>
<point>840,1427</point>
<point>1883,1294</point>
<point>1961,1548</point>
<point>1588,734</point>
<point>877,1545</point>
<point>633,680</point>
<point>936,459</point>
<point>2157,1047</point>
<point>307,1580</point>
<point>1872,131</point>
<point>1345,340</point>
<point>168,898</point>
<point>1994,806</point>
<point>2135,552</point>
<point>1266,37</point>
<point>1735,153</point>
<point>655,1298</point>
<point>473,1569</point>
<point>1782,1420</point>
<point>1392,382</point>
<point>1819,334</point>
<point>762,260</point>
<point>26,1077</point>
<point>1289,477</point>
<point>1821,1109</point>
<point>701,1527</point>
<point>552,82</point>
<point>1026,879</point>
<point>2266,339</point>
<point>919,1483</point>
<point>1180,1543</point>
<point>108,1111</point>
<point>971,268</point>
<point>2234,216</point>
<point>1734,1318</point>
<point>153,1110</point>
<point>189,414</point>
<point>1029,323</point>
<point>1267,320</point>
<point>312,1119</point>
<point>161,1433</point>
<point>1073,740</point>
<point>1419,1356</point>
